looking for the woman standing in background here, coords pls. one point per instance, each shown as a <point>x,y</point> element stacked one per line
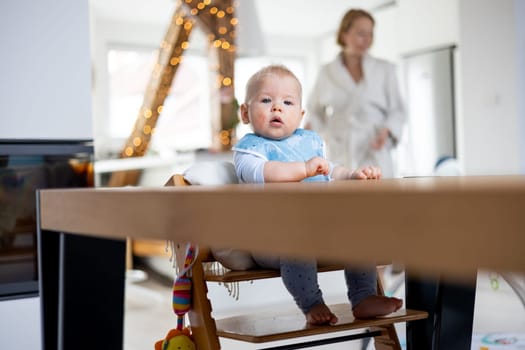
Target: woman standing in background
<point>356,104</point>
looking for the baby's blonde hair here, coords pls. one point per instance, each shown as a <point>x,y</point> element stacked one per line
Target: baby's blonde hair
<point>277,69</point>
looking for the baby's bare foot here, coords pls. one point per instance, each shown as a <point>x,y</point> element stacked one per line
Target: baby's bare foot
<point>321,314</point>
<point>376,305</point>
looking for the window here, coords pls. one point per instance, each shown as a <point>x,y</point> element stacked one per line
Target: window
<point>184,123</point>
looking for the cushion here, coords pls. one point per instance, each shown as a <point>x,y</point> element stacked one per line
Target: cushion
<point>234,259</point>
<point>211,173</point>
<point>220,173</point>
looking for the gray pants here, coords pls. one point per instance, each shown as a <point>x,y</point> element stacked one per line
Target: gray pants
<point>300,278</point>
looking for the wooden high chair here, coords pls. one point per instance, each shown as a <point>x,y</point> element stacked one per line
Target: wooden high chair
<point>274,325</point>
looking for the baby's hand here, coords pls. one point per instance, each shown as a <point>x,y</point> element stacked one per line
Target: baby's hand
<point>317,166</point>
<point>367,172</point>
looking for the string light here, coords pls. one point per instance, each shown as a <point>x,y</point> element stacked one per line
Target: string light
<point>224,137</point>
<point>220,37</point>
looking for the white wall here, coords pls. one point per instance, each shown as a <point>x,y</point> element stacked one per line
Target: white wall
<point>45,94</point>
<point>45,70</point>
<point>492,127</point>
<point>303,49</point>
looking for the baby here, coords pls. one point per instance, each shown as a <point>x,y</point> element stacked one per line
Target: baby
<point>279,151</point>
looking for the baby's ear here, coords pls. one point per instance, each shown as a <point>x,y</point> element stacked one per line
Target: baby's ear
<point>244,114</point>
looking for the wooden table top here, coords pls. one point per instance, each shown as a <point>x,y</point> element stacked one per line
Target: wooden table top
<point>449,224</point>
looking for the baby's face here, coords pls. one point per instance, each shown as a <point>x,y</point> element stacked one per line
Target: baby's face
<point>274,110</point>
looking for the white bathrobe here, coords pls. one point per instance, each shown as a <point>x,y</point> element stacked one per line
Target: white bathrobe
<point>348,115</point>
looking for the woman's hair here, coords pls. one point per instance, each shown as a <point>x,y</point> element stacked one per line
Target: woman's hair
<point>276,69</point>
<point>348,20</point>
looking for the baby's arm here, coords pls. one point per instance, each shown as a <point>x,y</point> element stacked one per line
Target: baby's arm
<point>362,173</point>
<point>275,171</point>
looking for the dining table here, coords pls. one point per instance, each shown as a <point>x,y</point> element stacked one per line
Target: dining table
<point>442,230</point>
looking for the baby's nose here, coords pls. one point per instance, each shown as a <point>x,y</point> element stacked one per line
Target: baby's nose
<point>276,107</point>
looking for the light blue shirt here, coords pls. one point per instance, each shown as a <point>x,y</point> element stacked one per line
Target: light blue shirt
<point>252,151</point>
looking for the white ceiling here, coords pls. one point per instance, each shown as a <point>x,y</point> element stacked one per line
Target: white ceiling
<point>291,17</point>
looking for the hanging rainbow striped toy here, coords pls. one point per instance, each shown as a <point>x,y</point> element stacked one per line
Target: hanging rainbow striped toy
<point>180,338</point>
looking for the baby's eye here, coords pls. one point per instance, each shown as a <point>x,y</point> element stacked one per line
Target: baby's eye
<point>266,100</point>
<point>288,103</point>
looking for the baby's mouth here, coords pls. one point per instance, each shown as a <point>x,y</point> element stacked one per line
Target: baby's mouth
<point>276,121</point>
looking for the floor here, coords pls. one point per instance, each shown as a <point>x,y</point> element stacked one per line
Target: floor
<point>499,313</point>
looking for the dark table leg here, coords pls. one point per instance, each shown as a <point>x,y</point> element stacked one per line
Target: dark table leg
<point>82,291</point>
<point>48,268</point>
<point>451,313</point>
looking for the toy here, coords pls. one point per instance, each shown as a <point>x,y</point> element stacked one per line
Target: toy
<point>176,340</point>
<point>180,338</point>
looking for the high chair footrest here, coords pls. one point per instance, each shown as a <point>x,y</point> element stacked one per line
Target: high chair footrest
<point>275,325</point>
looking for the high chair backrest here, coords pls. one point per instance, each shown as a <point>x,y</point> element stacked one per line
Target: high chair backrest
<point>211,173</point>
